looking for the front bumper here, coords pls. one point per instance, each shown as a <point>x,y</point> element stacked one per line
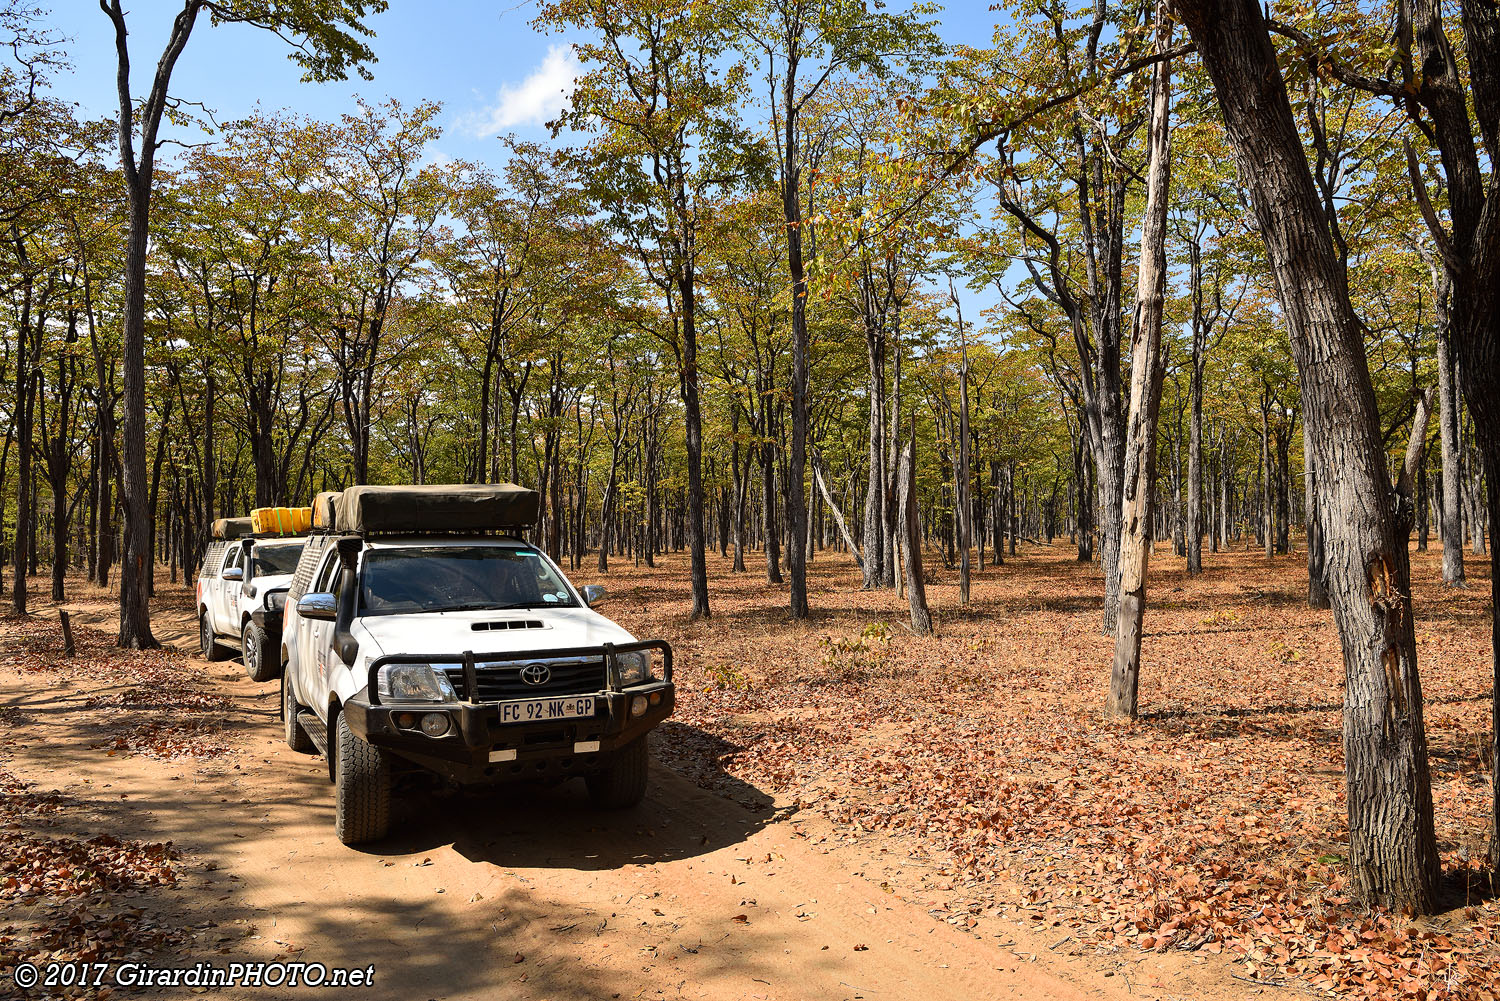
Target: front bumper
<point>519,751</point>
<point>479,748</point>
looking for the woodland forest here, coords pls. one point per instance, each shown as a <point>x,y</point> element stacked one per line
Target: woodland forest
<point>1239,269</point>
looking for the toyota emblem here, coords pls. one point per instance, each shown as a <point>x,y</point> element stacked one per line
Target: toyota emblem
<point>536,674</point>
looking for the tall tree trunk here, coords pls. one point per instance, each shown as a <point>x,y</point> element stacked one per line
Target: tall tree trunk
<point>963,509</point>
<point>874,548</point>
<point>1084,496</point>
<point>1110,472</point>
<point>135,572</point>
<point>769,531</point>
<point>606,512</point>
<point>135,575</point>
<point>1226,487</point>
<point>1267,508</point>
<point>696,537</point>
<point>105,507</point>
<point>741,472</point>
<point>893,515</point>
<point>59,534</point>
<point>1317,586</point>
<point>1452,522</point>
<point>911,539</point>
<point>796,497</point>
<point>1195,467</point>
<point>1393,851</point>
<point>1146,371</point>
<point>25,337</point>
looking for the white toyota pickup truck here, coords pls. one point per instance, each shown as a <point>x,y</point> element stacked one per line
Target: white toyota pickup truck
<point>241,594</point>
<point>423,634</point>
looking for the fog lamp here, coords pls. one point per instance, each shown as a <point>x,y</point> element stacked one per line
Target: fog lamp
<point>435,724</point>
<point>638,706</point>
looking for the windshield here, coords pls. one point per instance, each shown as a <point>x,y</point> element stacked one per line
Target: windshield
<point>276,559</point>
<point>458,578</point>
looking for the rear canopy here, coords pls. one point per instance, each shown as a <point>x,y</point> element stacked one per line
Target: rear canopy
<point>232,528</point>
<point>457,507</point>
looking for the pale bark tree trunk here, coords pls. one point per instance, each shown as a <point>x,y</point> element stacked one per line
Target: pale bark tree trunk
<point>963,508</point>
<point>1267,510</point>
<point>741,472</point>
<point>1393,850</point>
<point>1146,372</point>
<point>1452,522</point>
<point>874,548</point>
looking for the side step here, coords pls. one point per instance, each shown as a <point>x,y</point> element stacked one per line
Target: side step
<point>315,729</point>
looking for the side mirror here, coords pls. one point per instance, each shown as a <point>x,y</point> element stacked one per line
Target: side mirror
<point>593,594</point>
<point>319,605</point>
<point>234,573</point>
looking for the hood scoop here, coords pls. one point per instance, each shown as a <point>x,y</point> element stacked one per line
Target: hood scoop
<point>499,625</point>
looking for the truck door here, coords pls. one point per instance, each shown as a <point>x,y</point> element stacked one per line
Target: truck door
<point>314,639</point>
<point>226,599</point>
<point>231,593</point>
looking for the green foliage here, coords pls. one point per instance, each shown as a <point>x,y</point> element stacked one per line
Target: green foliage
<point>360,310</point>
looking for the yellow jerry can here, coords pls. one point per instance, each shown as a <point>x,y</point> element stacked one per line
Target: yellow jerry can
<point>281,520</point>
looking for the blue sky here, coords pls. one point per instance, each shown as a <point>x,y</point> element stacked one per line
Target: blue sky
<point>482,59</point>
<point>493,73</point>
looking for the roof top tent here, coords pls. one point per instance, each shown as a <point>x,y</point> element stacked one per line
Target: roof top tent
<point>323,511</point>
<point>232,528</point>
<point>436,509</point>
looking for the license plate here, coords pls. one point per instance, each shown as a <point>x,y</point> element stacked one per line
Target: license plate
<point>541,710</point>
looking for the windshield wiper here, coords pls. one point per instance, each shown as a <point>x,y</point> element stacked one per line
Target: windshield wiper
<point>485,606</point>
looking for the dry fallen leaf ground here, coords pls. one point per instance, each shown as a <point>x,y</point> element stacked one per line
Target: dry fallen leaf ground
<point>967,781</point>
<point>1214,824</point>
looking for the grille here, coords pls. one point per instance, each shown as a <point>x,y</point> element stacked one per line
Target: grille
<point>502,682</point>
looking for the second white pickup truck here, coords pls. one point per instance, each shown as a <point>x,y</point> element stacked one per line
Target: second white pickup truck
<point>241,594</point>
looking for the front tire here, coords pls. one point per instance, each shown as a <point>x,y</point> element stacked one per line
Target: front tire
<point>208,641</point>
<point>362,788</point>
<point>296,737</point>
<point>621,783</point>
<point>258,653</point>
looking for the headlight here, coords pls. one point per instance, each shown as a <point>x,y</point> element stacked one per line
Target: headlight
<point>634,667</point>
<point>276,601</point>
<point>414,683</point>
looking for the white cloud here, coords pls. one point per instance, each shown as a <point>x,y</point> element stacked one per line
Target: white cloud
<point>537,99</point>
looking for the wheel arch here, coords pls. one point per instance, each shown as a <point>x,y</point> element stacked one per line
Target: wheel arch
<point>335,708</point>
